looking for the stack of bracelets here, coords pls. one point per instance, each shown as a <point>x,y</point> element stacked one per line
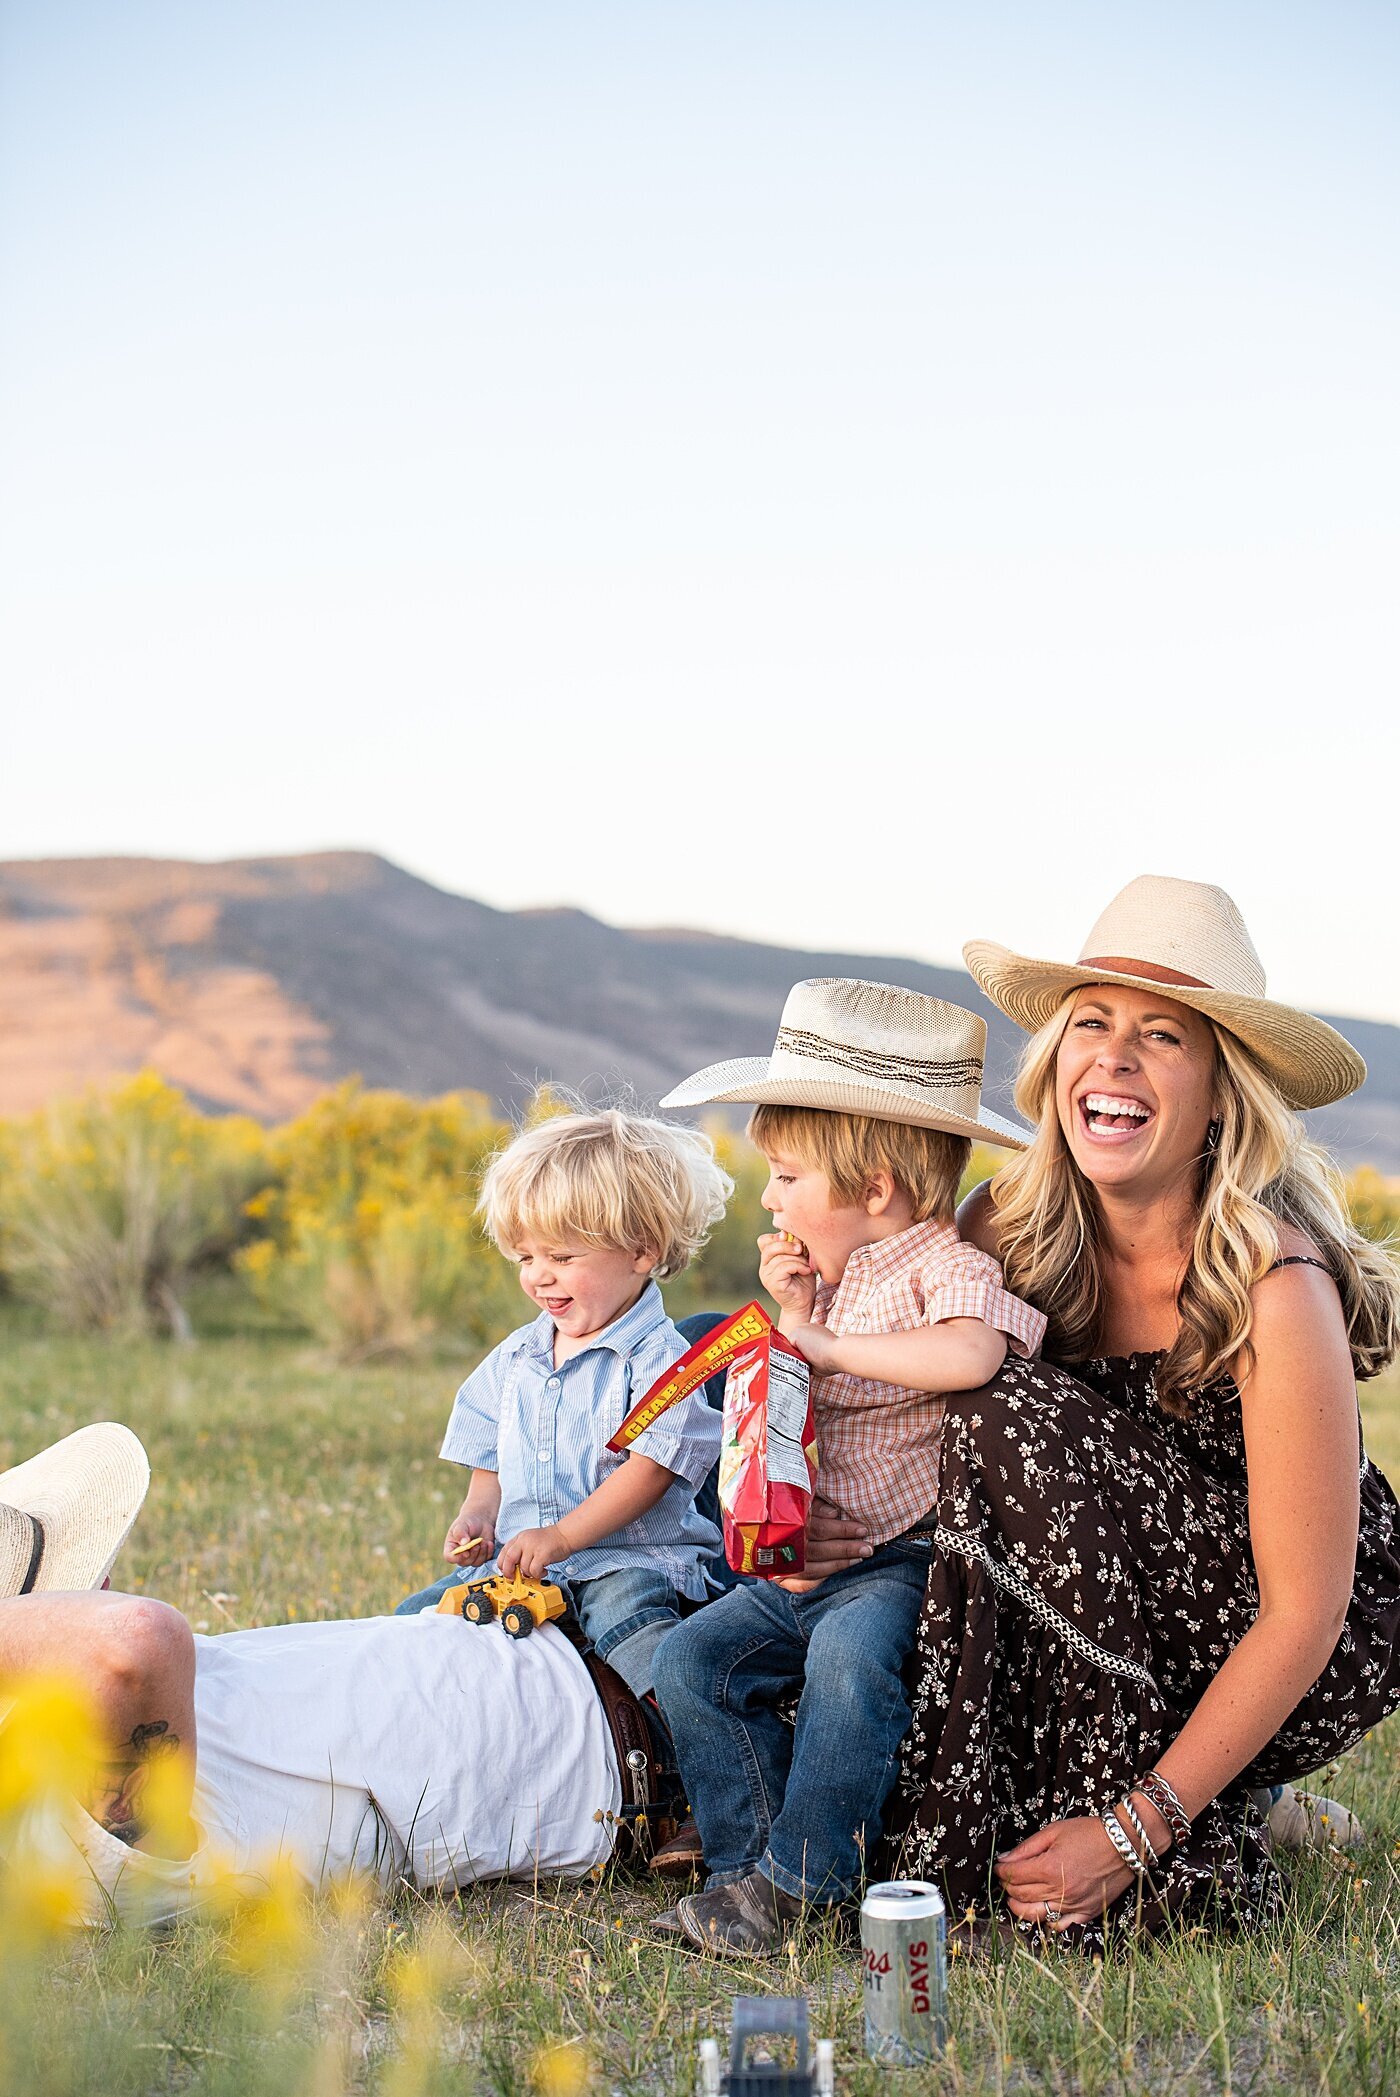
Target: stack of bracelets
<point>1159,1793</point>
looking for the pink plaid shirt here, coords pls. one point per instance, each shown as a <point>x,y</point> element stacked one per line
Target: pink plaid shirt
<point>877,1443</point>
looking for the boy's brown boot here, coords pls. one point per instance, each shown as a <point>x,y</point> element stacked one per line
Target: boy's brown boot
<point>682,1856</point>
<point>750,1918</point>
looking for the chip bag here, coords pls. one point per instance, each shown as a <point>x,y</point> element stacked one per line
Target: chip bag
<point>768,1455</point>
<point>714,1351</point>
<point>768,1458</point>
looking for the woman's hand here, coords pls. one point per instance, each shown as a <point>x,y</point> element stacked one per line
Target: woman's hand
<point>1067,1873</point>
<point>786,1272</point>
<point>834,1541</point>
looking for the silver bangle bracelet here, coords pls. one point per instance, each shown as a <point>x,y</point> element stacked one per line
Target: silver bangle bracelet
<point>1161,1794</point>
<point>1139,1828</point>
<point>1113,1828</point>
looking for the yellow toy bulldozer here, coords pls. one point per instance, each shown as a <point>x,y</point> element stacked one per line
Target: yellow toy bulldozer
<point>522,1605</point>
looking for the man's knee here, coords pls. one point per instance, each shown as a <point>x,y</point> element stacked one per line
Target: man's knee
<point>143,1646</point>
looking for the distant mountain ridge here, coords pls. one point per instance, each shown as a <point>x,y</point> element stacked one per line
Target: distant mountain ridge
<point>256,983</point>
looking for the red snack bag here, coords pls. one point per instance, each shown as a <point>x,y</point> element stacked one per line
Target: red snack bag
<point>768,1458</point>
<point>697,1365</point>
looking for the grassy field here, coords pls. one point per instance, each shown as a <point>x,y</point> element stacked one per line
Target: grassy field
<point>285,1489</point>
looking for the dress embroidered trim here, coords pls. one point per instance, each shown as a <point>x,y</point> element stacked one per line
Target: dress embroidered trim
<point>1016,1583</point>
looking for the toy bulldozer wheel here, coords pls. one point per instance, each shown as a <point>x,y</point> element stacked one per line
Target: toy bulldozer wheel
<point>479,1609</point>
<point>516,1620</point>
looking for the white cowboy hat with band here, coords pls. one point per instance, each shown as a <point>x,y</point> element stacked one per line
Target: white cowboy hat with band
<point>1188,939</point>
<point>866,1048</point>
<point>66,1513</point>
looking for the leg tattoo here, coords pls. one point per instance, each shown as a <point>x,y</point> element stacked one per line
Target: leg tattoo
<point>117,1802</point>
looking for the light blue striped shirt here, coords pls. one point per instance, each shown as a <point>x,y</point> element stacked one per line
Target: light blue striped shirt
<point>544,1432</point>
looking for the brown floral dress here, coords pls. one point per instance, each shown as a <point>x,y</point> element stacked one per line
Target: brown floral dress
<point>1092,1571</point>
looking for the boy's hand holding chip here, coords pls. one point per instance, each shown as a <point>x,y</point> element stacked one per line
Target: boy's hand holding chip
<point>471,1539</point>
<point>788,1275</point>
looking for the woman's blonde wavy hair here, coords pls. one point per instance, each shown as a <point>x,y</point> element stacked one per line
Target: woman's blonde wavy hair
<point>1261,1175</point>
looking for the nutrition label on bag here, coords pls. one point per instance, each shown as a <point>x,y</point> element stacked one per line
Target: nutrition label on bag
<point>788,1379</point>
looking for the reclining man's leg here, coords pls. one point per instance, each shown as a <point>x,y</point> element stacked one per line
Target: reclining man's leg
<point>135,1659</point>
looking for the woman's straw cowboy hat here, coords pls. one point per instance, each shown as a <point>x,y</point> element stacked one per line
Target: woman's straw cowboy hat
<point>66,1513</point>
<point>1188,938</point>
<point>866,1048</point>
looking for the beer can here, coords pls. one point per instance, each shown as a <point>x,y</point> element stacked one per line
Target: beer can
<point>904,1952</point>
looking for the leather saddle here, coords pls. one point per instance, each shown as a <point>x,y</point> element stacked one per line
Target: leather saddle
<point>653,1804</point>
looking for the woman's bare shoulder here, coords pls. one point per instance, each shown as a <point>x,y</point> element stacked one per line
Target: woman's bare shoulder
<point>1297,1317</point>
<point>977,1219</point>
<point>1295,1274</point>
<point>1294,1244</point>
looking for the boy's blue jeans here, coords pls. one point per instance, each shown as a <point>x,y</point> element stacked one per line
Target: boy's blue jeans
<point>804,1804</point>
<point>624,1615</point>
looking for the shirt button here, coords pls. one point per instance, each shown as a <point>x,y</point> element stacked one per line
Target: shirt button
<point>553,1384</point>
<point>544,1456</point>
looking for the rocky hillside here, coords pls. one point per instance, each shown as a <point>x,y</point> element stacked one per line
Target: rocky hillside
<point>254,984</point>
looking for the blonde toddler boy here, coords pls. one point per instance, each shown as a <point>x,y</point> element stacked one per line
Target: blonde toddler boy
<point>594,1209</point>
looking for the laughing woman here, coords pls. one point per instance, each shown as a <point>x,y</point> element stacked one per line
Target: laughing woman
<point>1170,1576</point>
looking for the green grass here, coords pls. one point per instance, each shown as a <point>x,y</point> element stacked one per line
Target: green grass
<point>284,1488</point>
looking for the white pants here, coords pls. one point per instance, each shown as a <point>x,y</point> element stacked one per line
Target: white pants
<point>405,1747</point>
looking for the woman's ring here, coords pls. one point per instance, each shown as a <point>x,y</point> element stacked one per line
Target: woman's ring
<point>1051,1914</point>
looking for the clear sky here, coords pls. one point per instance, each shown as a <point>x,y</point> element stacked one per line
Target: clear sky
<point>857,475</point>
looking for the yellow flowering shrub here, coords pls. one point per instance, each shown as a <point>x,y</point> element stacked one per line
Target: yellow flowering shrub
<point>1375,1205</point>
<point>108,1201</point>
<point>726,1273</point>
<point>370,1235</point>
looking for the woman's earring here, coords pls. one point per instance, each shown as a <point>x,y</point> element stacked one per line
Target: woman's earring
<point>1213,1128</point>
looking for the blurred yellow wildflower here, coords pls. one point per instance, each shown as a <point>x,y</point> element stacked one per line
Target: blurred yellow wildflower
<point>167,1787</point>
<point>418,1976</point>
<point>271,1927</point>
<point>349,1895</point>
<point>51,1744</point>
<point>421,1972</point>
<point>41,1898</point>
<point>562,2070</point>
